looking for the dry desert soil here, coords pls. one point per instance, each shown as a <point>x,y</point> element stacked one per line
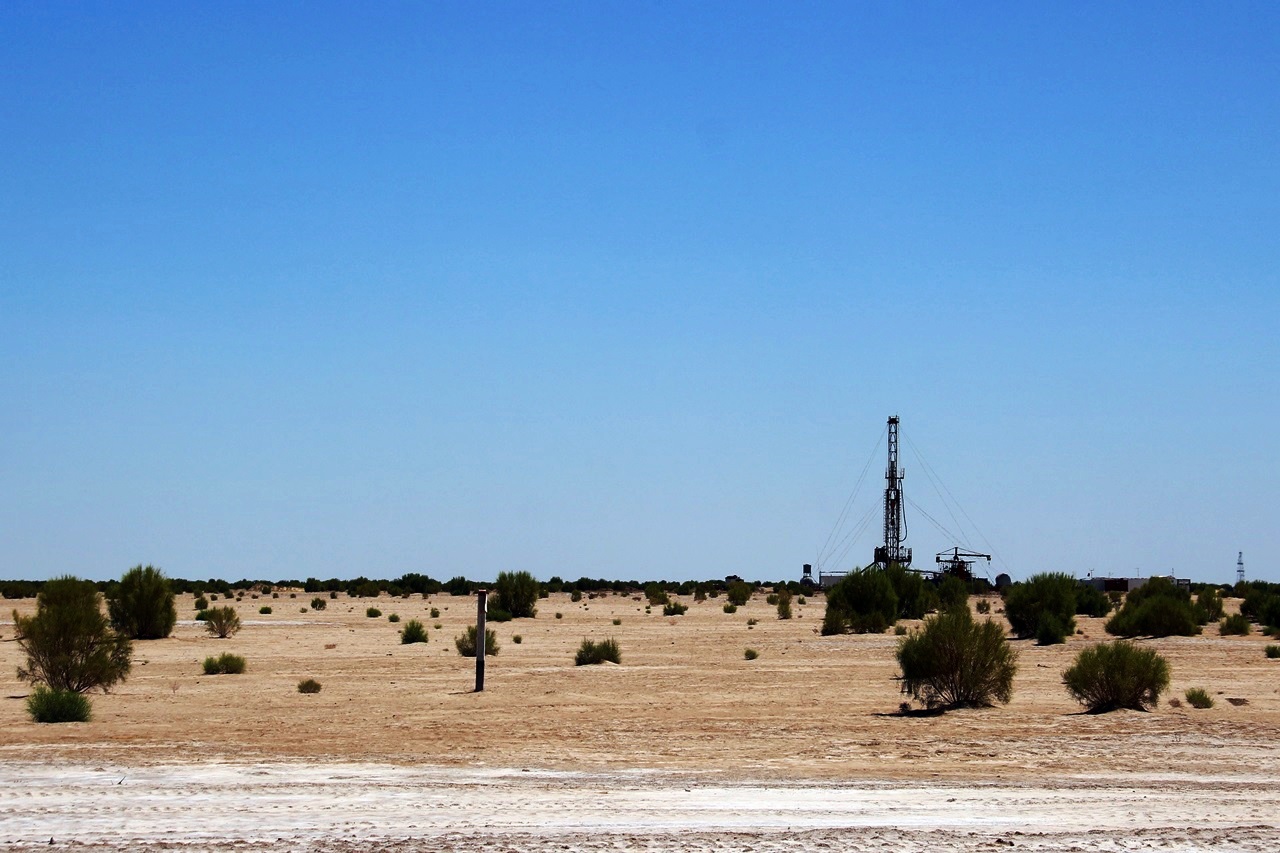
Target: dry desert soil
<point>685,745</point>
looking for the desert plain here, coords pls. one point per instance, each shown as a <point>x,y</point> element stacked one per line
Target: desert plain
<point>685,745</point>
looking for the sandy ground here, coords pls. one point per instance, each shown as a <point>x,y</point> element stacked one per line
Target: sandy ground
<point>686,745</point>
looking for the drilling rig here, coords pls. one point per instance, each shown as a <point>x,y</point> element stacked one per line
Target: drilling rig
<point>895,529</point>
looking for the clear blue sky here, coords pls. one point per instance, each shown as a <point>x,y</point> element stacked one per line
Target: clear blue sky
<point>629,289</point>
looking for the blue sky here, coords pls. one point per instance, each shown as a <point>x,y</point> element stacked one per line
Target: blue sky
<point>629,289</point>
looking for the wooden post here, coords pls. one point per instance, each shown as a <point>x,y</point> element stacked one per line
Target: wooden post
<point>482,603</point>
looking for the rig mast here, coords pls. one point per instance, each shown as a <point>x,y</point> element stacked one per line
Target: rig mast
<point>1240,568</point>
<point>892,551</point>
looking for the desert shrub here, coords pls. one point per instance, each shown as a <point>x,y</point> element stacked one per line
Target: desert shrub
<point>1158,608</point>
<point>729,607</point>
<point>222,621</point>
<point>68,642</point>
<point>1209,602</point>
<point>576,595</point>
<point>318,603</point>
<point>202,615</point>
<point>656,594</point>
<point>915,595</point>
<point>493,613</point>
<point>983,606</point>
<point>308,685</point>
<point>592,652</point>
<point>435,613</point>
<point>771,599</point>
<point>784,605</point>
<point>739,592</point>
<point>1198,698</point>
<point>372,612</point>
<point>801,600</point>
<point>617,621</point>
<point>1091,601</point>
<point>559,615</point>
<point>751,654</point>
<point>1235,624</point>
<point>466,643</point>
<point>952,592</point>
<point>264,610</point>
<point>46,705</point>
<point>1050,631</point>
<point>674,608</point>
<point>1116,675</point>
<point>333,595</point>
<point>517,639</point>
<point>1273,652</point>
<point>224,664</point>
<point>863,602</point>
<point>752,622</point>
<point>394,617</point>
<point>517,593</point>
<point>201,603</point>
<point>1026,603</point>
<point>413,632</point>
<point>954,661</point>
<point>700,593</point>
<point>143,605</point>
<point>900,630</point>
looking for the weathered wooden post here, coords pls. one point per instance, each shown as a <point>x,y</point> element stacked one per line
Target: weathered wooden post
<point>482,603</point>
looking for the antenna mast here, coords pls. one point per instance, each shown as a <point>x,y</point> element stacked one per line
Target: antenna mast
<point>892,550</point>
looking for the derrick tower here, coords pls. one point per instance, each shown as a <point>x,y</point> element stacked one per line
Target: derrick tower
<point>895,530</point>
<point>1240,568</point>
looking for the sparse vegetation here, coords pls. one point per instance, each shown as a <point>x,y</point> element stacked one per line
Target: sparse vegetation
<point>68,642</point>
<point>517,594</point>
<point>1236,624</point>
<point>1116,675</point>
<point>517,639</point>
<point>413,632</point>
<point>863,602</point>
<point>435,613</point>
<point>394,617</point>
<point>656,595</point>
<point>1273,651</point>
<point>47,705</point>
<point>372,612</point>
<point>224,664</point>
<point>954,661</point>
<point>739,592</point>
<point>900,630</point>
<point>142,608</point>
<point>1158,608</point>
<point>1198,698</point>
<point>1043,606</point>
<point>575,596</point>
<point>222,622</point>
<point>559,615</point>
<point>591,652</point>
<point>784,604</point>
<point>751,654</point>
<point>1209,603</point>
<point>265,610</point>
<point>308,685</point>
<point>318,603</point>
<point>674,608</point>
<point>617,621</point>
<point>466,643</point>
<point>201,603</point>
<point>730,607</point>
<point>983,606</point>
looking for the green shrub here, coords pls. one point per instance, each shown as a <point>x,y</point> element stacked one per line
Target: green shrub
<point>1158,608</point>
<point>784,604</point>
<point>372,612</point>
<point>739,592</point>
<point>1236,624</point>
<point>201,603</point>
<point>1050,631</point>
<point>435,613</point>
<point>265,610</point>
<point>202,615</point>
<point>863,602</point>
<point>801,600</point>
<point>752,622</point>
<point>656,595</point>
<point>222,621</point>
<point>143,605</point>
<point>1273,652</point>
<point>751,654</point>
<point>952,592</point>
<point>394,617</point>
<point>983,606</point>
<point>1091,601</point>
<point>1026,603</point>
<point>224,664</point>
<point>674,608</point>
<point>466,643</point>
<point>915,595</point>
<point>1197,698</point>
<point>617,621</point>
<point>1116,675</point>
<point>517,593</point>
<point>730,607</point>
<point>308,685</point>
<point>954,661</point>
<point>413,632</point>
<point>559,615</point>
<point>68,642</point>
<point>575,596</point>
<point>591,652</point>
<point>771,599</point>
<point>493,613</point>
<point>46,705</point>
<point>1209,601</point>
<point>333,596</point>
<point>318,603</point>
<point>517,639</point>
<point>900,630</point>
